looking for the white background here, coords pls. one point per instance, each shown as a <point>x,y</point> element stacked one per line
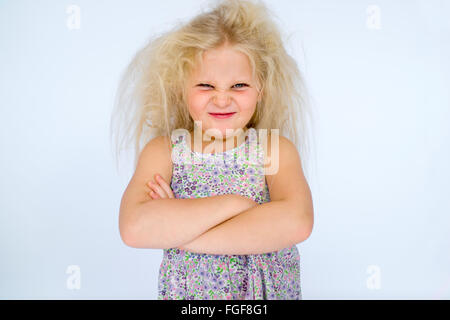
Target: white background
<point>379,78</point>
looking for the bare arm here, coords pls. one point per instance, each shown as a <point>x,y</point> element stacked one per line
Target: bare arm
<point>168,223</point>
<point>286,220</point>
<point>165,223</point>
<point>268,227</point>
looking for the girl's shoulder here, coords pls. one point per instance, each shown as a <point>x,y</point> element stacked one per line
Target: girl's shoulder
<point>153,159</point>
<point>164,145</point>
<point>161,155</point>
<point>275,149</point>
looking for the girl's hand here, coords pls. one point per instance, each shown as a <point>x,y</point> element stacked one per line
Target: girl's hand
<point>160,189</point>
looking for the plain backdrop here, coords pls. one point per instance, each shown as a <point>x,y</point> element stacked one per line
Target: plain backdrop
<point>379,78</point>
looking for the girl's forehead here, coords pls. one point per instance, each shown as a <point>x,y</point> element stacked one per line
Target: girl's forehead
<point>211,76</point>
<point>222,66</point>
<point>222,72</point>
<point>225,60</point>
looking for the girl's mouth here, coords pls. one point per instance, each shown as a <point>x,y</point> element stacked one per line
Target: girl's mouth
<point>222,115</point>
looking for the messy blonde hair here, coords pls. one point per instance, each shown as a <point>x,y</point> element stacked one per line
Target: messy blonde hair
<point>150,100</point>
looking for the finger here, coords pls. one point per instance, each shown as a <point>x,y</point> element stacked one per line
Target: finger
<point>157,189</point>
<point>154,195</point>
<point>165,186</point>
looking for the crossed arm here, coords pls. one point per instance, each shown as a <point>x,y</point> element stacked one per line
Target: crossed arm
<point>284,221</point>
<point>264,228</point>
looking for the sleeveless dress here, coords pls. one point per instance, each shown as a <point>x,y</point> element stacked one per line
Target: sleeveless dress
<point>198,276</point>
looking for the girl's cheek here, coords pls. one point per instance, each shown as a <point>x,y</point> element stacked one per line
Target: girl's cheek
<point>199,98</point>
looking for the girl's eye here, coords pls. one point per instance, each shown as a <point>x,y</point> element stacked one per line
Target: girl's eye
<point>243,85</point>
<point>238,84</point>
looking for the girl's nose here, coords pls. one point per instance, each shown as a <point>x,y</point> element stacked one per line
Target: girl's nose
<point>222,99</point>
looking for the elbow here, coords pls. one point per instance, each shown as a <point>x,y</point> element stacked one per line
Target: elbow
<point>308,225</point>
<point>142,231</point>
<point>128,228</point>
<point>128,240</point>
<point>305,226</point>
<point>306,233</point>
<point>302,234</point>
<point>127,235</point>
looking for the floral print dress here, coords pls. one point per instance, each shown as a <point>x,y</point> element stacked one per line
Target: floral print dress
<point>188,275</point>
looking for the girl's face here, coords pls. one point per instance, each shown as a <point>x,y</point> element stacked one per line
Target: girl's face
<point>223,85</point>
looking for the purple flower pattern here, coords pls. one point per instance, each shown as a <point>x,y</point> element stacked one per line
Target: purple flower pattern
<point>185,275</point>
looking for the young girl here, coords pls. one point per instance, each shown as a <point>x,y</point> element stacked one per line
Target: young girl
<point>228,224</point>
